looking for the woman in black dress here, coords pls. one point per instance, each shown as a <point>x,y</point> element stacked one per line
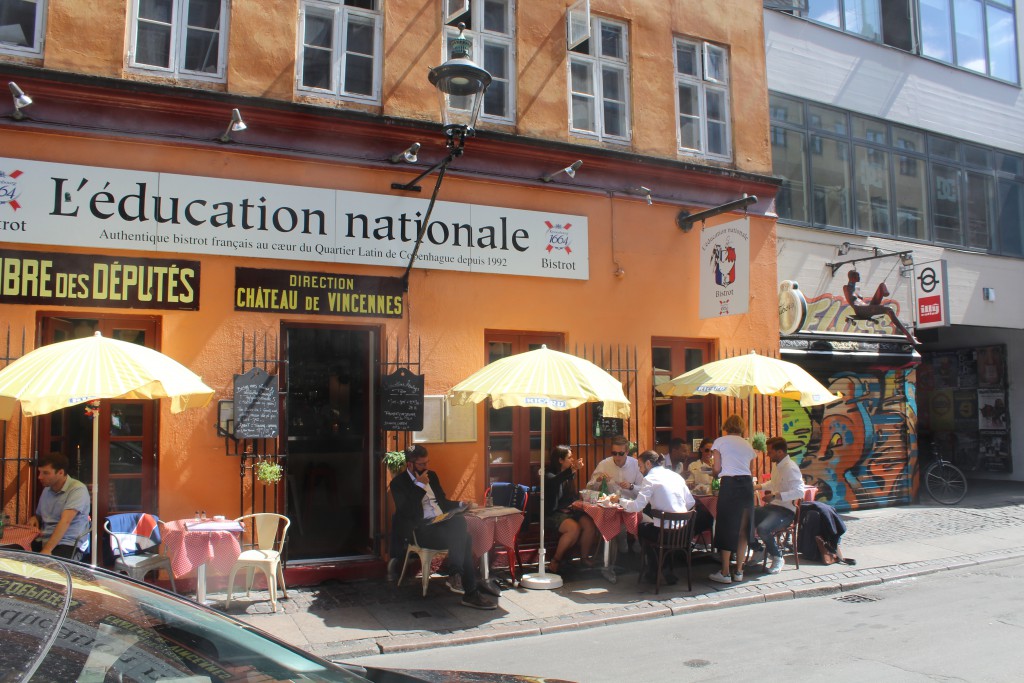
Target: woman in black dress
<point>572,523</point>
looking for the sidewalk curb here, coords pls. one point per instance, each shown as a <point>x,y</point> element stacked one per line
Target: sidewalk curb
<point>743,594</point>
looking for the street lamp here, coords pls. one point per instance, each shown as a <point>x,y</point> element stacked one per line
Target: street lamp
<point>461,85</point>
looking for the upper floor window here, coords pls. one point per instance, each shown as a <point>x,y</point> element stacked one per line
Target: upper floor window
<point>599,82</point>
<point>977,35</point>
<point>21,26</point>
<point>702,98</point>
<point>181,37</point>
<point>341,48</point>
<point>490,25</point>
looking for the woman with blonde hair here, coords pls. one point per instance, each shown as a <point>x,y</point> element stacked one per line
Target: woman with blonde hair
<point>735,498</point>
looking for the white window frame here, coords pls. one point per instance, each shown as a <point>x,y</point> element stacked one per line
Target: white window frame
<point>35,48</point>
<point>480,39</point>
<point>342,14</point>
<point>577,23</point>
<point>179,33</point>
<point>703,83</point>
<point>596,63</point>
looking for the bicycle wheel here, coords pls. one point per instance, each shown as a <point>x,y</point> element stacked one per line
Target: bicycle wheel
<point>945,483</point>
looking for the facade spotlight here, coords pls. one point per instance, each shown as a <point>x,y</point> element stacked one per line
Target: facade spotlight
<point>21,100</point>
<point>569,170</point>
<point>645,191</point>
<point>408,156</point>
<point>237,125</point>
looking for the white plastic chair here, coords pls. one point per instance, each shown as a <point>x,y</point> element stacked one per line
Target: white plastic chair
<point>268,536</point>
<point>426,556</point>
<point>129,549</point>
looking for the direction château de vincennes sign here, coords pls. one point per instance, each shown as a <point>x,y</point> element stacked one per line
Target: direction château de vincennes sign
<point>85,206</point>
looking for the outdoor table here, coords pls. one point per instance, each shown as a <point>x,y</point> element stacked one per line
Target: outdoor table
<point>19,534</point>
<point>609,519</point>
<point>194,544</point>
<point>710,503</point>
<point>490,525</point>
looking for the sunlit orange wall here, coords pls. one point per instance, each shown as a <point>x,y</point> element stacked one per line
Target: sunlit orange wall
<point>449,312</point>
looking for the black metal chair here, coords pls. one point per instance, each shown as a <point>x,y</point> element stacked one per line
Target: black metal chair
<point>675,534</point>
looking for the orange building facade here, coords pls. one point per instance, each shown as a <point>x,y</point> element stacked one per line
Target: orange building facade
<point>128,210</point>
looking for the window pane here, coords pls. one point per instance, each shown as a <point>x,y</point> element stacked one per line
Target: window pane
<point>316,68</point>
<point>156,10</point>
<point>153,46</point>
<point>936,29</point>
<point>979,210</point>
<point>827,119</point>
<point>718,142</point>
<point>17,22</point>
<point>612,43</point>
<point>910,140</point>
<point>1009,163</point>
<point>789,163</point>
<point>496,16</point>
<point>716,64</point>
<point>496,60</point>
<point>359,36</point>
<point>496,99</point>
<point>689,117</point>
<point>946,193</point>
<point>1002,45</point>
<point>830,175</point>
<point>862,18</point>
<point>687,62</point>
<point>582,78</point>
<point>613,85</point>
<point>825,11</point>
<point>583,115</point>
<point>786,109</point>
<point>358,74</point>
<point>944,148</point>
<point>204,13</point>
<point>911,197</point>
<point>715,110</point>
<point>1011,218</point>
<point>202,50</point>
<point>319,30</point>
<point>870,130</point>
<point>871,193</point>
<point>970,35</point>
<point>977,156</point>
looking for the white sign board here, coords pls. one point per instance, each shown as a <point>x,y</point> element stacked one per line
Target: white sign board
<point>83,206</point>
<point>931,295</point>
<point>725,269</point>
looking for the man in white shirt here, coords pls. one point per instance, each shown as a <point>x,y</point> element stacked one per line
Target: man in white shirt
<point>621,471</point>
<point>782,493</point>
<point>663,490</point>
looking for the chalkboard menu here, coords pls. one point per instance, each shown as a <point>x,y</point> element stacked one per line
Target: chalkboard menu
<point>401,402</point>
<point>605,426</point>
<point>256,405</point>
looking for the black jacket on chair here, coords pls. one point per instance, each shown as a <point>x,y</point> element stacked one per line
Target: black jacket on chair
<point>818,519</point>
<point>408,499</point>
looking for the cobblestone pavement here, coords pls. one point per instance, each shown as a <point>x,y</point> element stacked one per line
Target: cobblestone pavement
<point>351,619</point>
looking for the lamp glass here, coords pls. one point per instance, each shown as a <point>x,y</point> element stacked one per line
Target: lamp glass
<point>461,84</point>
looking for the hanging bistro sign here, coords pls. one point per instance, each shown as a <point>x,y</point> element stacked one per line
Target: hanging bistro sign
<point>85,206</point>
<point>55,279</point>
<point>725,269</point>
<point>258,289</point>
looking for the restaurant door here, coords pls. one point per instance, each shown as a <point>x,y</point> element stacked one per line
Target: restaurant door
<point>691,418</point>
<point>127,445</point>
<point>329,394</point>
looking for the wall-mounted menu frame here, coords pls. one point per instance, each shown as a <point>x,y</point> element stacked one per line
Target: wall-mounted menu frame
<point>256,405</point>
<point>444,422</point>
<point>433,421</point>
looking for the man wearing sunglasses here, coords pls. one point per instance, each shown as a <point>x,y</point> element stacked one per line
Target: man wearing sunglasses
<point>621,471</point>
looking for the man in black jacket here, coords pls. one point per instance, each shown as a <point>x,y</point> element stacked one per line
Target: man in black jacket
<point>419,498</point>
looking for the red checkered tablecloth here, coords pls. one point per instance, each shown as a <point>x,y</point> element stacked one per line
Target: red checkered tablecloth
<point>189,548</point>
<point>489,530</point>
<point>609,520</point>
<point>21,534</point>
<point>709,502</point>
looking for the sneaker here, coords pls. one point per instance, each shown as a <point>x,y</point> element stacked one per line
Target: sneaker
<point>719,577</point>
<point>737,577</point>
<point>776,565</point>
<point>757,557</point>
<point>490,586</point>
<point>454,584</point>
<point>477,601</point>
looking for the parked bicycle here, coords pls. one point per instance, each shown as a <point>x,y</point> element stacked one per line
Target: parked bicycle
<point>943,480</point>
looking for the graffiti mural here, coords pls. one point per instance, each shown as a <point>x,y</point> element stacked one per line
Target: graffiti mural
<point>860,452</point>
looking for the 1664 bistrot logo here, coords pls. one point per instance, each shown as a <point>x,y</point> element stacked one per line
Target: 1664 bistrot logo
<point>9,189</point>
<point>558,237</point>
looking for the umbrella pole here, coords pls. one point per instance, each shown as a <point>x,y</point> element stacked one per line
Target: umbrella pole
<point>94,538</point>
<point>541,580</point>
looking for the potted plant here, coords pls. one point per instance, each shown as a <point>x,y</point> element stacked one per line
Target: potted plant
<point>394,461</point>
<point>759,442</point>
<point>269,472</point>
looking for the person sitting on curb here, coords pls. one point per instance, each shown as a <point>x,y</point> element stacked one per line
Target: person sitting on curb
<point>419,498</point>
<point>782,493</point>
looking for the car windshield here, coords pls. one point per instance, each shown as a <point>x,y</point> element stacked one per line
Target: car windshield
<point>116,630</point>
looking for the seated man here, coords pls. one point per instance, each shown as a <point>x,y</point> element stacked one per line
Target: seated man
<point>662,489</point>
<point>782,493</point>
<point>63,510</point>
<point>620,472</point>
<point>418,499</point>
<point>680,456</point>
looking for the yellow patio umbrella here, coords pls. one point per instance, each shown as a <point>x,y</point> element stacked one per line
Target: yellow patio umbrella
<point>543,379</point>
<point>747,375</point>
<point>72,372</point>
